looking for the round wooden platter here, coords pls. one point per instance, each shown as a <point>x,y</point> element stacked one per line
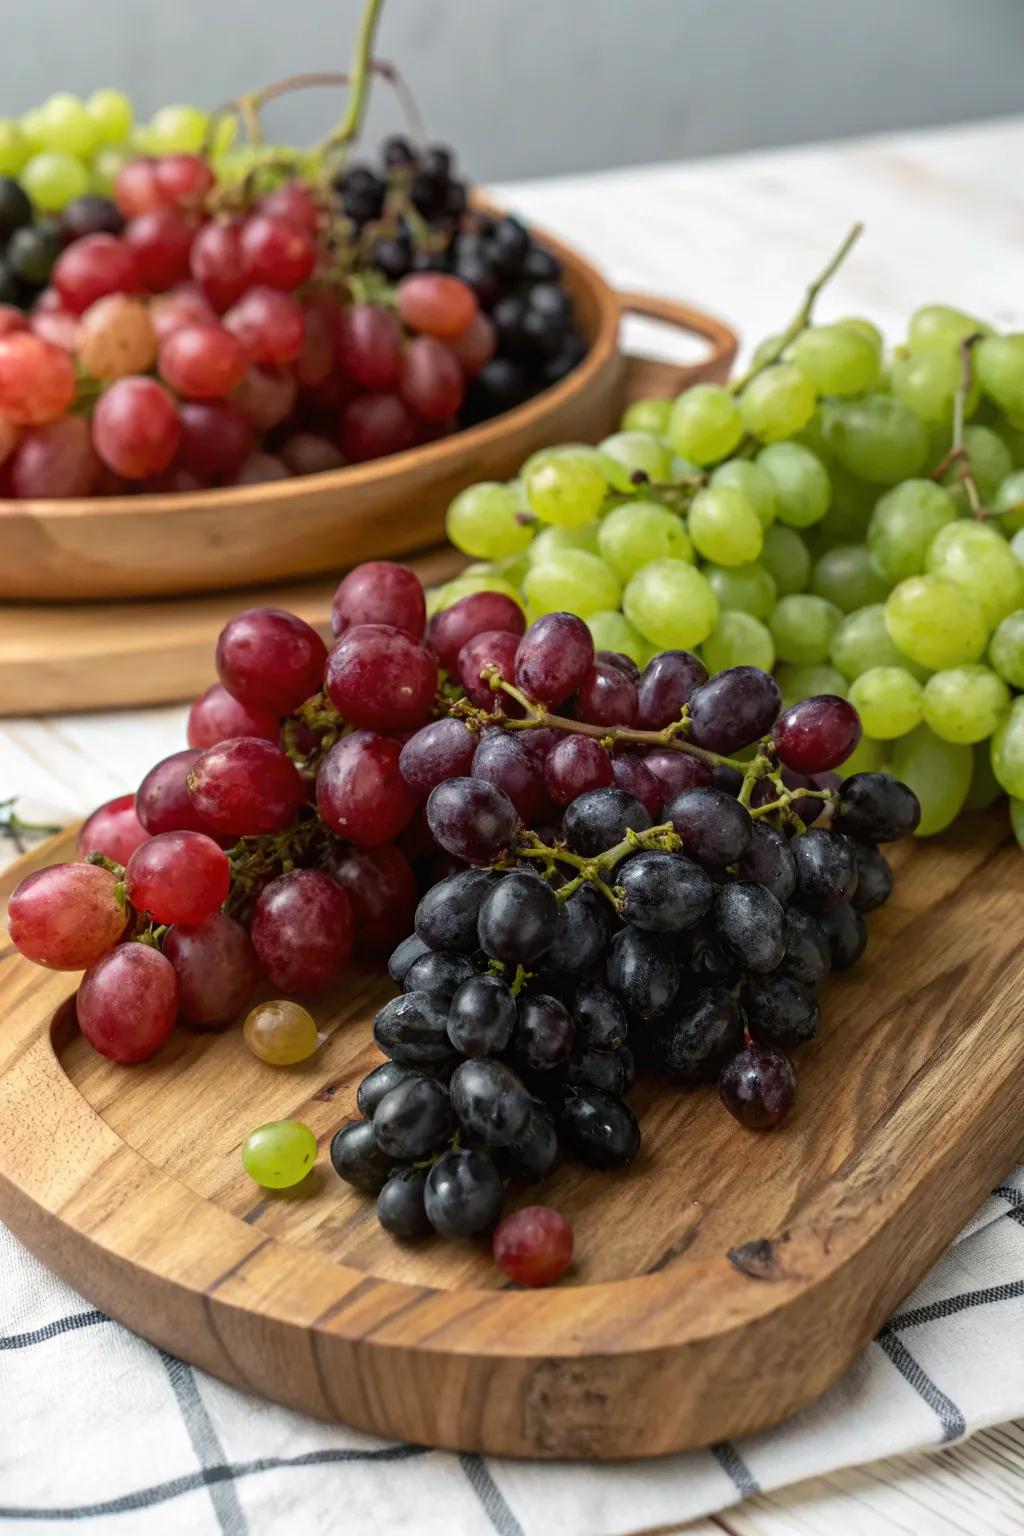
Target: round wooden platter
<point>722,1282</point>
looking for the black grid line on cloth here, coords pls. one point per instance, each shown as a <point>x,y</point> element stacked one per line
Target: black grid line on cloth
<point>1009,1291</point>
<point>53,1330</point>
<point>490,1495</point>
<point>159,1493</point>
<point>1014,1196</point>
<point>205,1443</point>
<point>733,1465</point>
<point>952,1420</point>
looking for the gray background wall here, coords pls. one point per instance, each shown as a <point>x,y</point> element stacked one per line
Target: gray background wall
<point>535,87</point>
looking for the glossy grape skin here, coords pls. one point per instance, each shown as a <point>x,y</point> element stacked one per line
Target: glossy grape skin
<point>501,760</point>
<point>482,1017</point>
<point>442,749</point>
<point>779,1010</point>
<point>535,1152</point>
<point>847,935</point>
<point>379,679</point>
<point>691,1046</point>
<point>217,716</point>
<point>769,861</point>
<point>413,1029</point>
<point>472,819</point>
<point>401,1209</point>
<point>127,1002</point>
<point>490,1101</point>
<point>808,956</point>
<point>667,683</point>
<point>935,623</point>
<point>368,345</point>
<point>599,1129</point>
<point>715,829</point>
<point>280,1154</point>
<point>488,521</point>
<point>876,808</point>
<point>581,933</point>
<point>751,923</point>
<point>270,660</point>
<point>534,1245</point>
<point>600,818</point>
<point>381,889</point>
<point>216,968</point>
<point>356,1157</point>
<point>55,460</point>
<point>360,792</point>
<point>517,919</point>
<point>633,777</point>
<point>281,1032</point>
<point>66,917</point>
<point>380,592</point>
<point>677,772</point>
<point>606,697</point>
<point>554,656</point>
<point>413,1119</point>
<point>492,647</point>
<point>463,1195</point>
<point>136,427</point>
<point>178,877</point>
<point>113,829</point>
<point>302,930</point>
<point>430,381</point>
<point>245,786</point>
<point>874,878</point>
<point>436,304</point>
<point>758,1087</point>
<point>545,1033</point>
<point>664,892</point>
<point>376,424</point>
<point>817,734</point>
<point>575,766</point>
<point>269,325</point>
<point>642,973</point>
<point>162,802</point>
<point>478,612</point>
<point>611,1070</point>
<point>704,424</point>
<point>704,959</point>
<point>733,709</point>
<point>379,1082</point>
<point>600,1023</point>
<point>439,972</point>
<point>446,917</point>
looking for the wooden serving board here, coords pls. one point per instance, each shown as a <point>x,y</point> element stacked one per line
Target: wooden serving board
<point>722,1282</point>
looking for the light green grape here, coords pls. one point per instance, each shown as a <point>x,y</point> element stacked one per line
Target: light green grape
<point>14,147</point>
<point>111,115</point>
<point>979,561</point>
<point>849,513</point>
<point>985,788</point>
<point>279,1154</point>
<point>647,416</point>
<point>671,604</point>
<point>565,486</point>
<point>178,130</point>
<point>965,704</point>
<point>939,773</point>
<point>846,576</point>
<point>704,424</point>
<point>864,328</point>
<point>889,700</point>
<point>1017,546</point>
<point>1013,437</point>
<point>863,641</point>
<point>998,365</point>
<point>801,483</point>
<point>612,631</point>
<point>777,403</point>
<point>638,532</point>
<point>573,580</point>
<point>66,127</point>
<point>724,526</point>
<point>903,524</point>
<point>105,166</point>
<point>786,558</point>
<point>1008,750</point>
<point>940,325</point>
<point>813,435</point>
<point>755,483</point>
<point>465,586</point>
<point>512,570</point>
<point>877,437</point>
<point>935,622</point>
<point>486,520</point>
<point>746,588</point>
<point>1009,501</point>
<point>803,682</point>
<point>927,382</point>
<point>1006,649</point>
<point>837,359</point>
<point>868,756</point>
<point>738,640</point>
<point>550,539</point>
<point>53,180</point>
<point>30,126</point>
<point>989,461</point>
<point>628,452</point>
<point>802,627</point>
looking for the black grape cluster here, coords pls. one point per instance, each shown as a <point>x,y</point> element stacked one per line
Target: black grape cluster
<point>29,246</point>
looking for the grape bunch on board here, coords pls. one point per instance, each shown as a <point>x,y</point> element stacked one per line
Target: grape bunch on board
<point>575,866</point>
<point>852,520</point>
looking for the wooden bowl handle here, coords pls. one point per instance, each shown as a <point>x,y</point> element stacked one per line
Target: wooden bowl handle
<point>649,376</point>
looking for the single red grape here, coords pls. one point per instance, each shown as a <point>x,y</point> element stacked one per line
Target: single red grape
<point>554,657</point>
<point>444,749</point>
<point>178,877</point>
<point>269,325</point>
<point>183,305</point>
<point>436,304</point>
<point>534,1245</point>
<point>218,716</point>
<point>302,930</point>
<point>381,889</point>
<point>203,362</point>
<point>37,379</point>
<point>128,1002</point>
<point>606,696</point>
<point>57,459</point>
<point>475,345</point>
<point>136,428</point>
<point>431,380</point>
<point>493,647</point>
<point>163,803</point>
<point>245,786</point>
<point>162,241</point>
<point>270,660</point>
<point>368,345</point>
<point>375,425</point>
<point>266,396</point>
<point>216,439</point>
<point>136,188</point>
<point>276,252</point>
<point>294,201</point>
<point>379,678</point>
<point>215,964</point>
<point>316,360</point>
<point>380,592</point>
<point>817,734</point>
<point>113,829</point>
<point>576,765</point>
<point>94,267</point>
<point>184,179</point>
<point>360,792</point>
<point>216,264</point>
<point>450,628</point>
<point>66,916</point>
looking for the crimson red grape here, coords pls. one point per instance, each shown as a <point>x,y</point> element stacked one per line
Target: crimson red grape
<point>294,201</point>
<point>380,592</point>
<point>631,774</point>
<point>217,716</point>
<point>360,792</point>
<point>66,916</point>
<point>136,188</point>
<point>270,660</point>
<point>368,345</point>
<point>450,628</point>
<point>216,264</point>
<point>575,765</point>
<point>269,324</point>
<point>183,305</point>
<point>215,964</point>
<point>379,678</point>
<point>178,877</point>
<point>245,786</point>
<point>436,304</point>
<point>266,396</point>
<point>475,345</point>
<point>94,267</point>
<point>216,439</point>
<point>184,179</point>
<point>57,459</point>
<point>163,803</point>
<point>472,819</point>
<point>381,890</point>
<point>276,252</point>
<point>492,647</point>
<point>203,362</point>
<point>161,241</point>
<point>113,829</point>
<point>534,1245</point>
<point>376,424</point>
<point>128,1002</point>
<point>758,1086</point>
<point>443,749</point>
<point>431,379</point>
<point>554,657</point>
<point>733,709</point>
<point>817,734</point>
<point>665,685</point>
<point>606,696</point>
<point>302,930</point>
<point>37,379</point>
<point>136,428</point>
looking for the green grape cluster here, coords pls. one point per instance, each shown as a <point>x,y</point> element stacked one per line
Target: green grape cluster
<point>851,518</point>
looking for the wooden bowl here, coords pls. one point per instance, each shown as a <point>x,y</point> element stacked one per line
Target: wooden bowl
<point>149,546</point>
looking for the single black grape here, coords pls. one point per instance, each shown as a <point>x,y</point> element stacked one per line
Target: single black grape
<point>400,1205</point>
<point>463,1194</point>
<point>507,317</point>
<point>534,1153</point>
<point>876,808</point>
<point>392,255</point>
<point>642,973</point>
<point>582,932</point>
<point>500,384</point>
<point>715,829</point>
<point>413,1029</point>
<point>599,1129</point>
<point>733,709</point>
<point>847,935</point>
<point>396,150</point>
<point>472,818</point>
<point>692,1045</point>
<point>598,1069</point>
<point>545,1032</point>
<point>598,1017</point>
<point>600,818</point>
<point>439,972</point>
<point>779,1010</point>
<point>758,1086</point>
<point>874,878</point>
<point>15,208</point>
<point>769,860</point>
<point>480,274</point>
<point>403,956</point>
<point>663,892</point>
<point>413,1119</point>
<point>490,1101</point>
<point>705,959</point>
<point>541,265</point>
<point>379,1082</point>
<point>572,351</point>
<point>482,1017</point>
<point>90,215</point>
<point>436,161</point>
<point>826,870</point>
<point>358,1159</point>
<point>808,956</point>
<point>447,914</point>
<point>362,193</point>
<point>517,918</point>
<point>33,251</point>
<point>751,922</point>
<point>509,243</point>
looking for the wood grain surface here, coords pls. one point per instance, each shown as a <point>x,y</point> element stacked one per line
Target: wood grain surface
<point>722,1282</point>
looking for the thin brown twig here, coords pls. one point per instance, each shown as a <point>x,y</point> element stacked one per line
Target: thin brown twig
<point>957,454</point>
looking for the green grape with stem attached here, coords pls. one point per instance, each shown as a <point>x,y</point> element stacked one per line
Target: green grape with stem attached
<point>747,588</point>
<point>777,403</point>
<point>565,486</point>
<point>738,640</point>
<point>903,524</point>
<point>989,462</point>
<point>573,580</point>
<point>978,560</point>
<point>638,532</point>
<point>965,704</point>
<point>863,641</point>
<point>753,481</point>
<point>671,604</point>
<point>940,325</point>
<point>877,438</point>
<point>647,416</point>
<point>488,520</point>
<point>612,631</point>
<point>1006,649</point>
<point>889,700</point>
<point>786,558</point>
<point>704,424</point>
<point>939,773</point>
<point>629,453</point>
<point>837,359</point>
<point>802,627</point>
<point>846,576</point>
<point>935,622</point>
<point>1008,750</point>
<point>724,526</point>
<point>803,682</point>
<point>800,481</point>
<point>927,382</point>
<point>1008,501</point>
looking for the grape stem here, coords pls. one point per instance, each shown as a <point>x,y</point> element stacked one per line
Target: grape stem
<point>592,870</point>
<point>957,454</point>
<point>362,69</point>
<point>17,829</point>
<point>802,319</point>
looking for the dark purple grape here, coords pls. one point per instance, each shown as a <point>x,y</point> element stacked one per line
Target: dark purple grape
<point>847,935</point>
<point>582,932</point>
<point>599,1069</point>
<point>779,1010</point>
<point>876,808</point>
<point>575,766</point>
<point>554,657</point>
<point>751,922</point>
<point>482,1017</point>
<point>598,1017</point>
<point>545,1032</point>
<point>769,861</point>
<point>413,1119</point>
<point>826,869</point>
<point>716,830</point>
<point>357,1158</point>
<point>706,960</point>
<point>600,819</point>
<point>728,780</point>
<point>534,1153</point>
<point>642,973</point>
<point>668,681</point>
<point>400,1205</point>
<point>463,1194</point>
<point>874,878</point>
<point>692,1045</point>
<point>472,819</point>
<point>517,918</point>
<point>808,956</point>
<point>447,914</point>
<point>626,665</point>
<point>676,771</point>
<point>490,1101</point>
<point>501,760</point>
<point>663,892</point>
<point>599,1129</point>
<point>735,708</point>
<point>758,1087</point>
<point>439,972</point>
<point>413,1029</point>
<point>444,749</point>
<point>632,775</point>
<point>379,1082</point>
<point>538,741</point>
<point>403,956</point>
<point>606,696</point>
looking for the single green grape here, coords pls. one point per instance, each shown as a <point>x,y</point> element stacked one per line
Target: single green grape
<point>488,520</point>
<point>939,773</point>
<point>704,424</point>
<point>940,325</point>
<point>928,381</point>
<point>800,481</point>
<point>837,359</point>
<point>877,437</point>
<point>777,403</point>
<point>565,487</point>
<point>786,558</point>
<point>1006,649</point>
<point>868,756</point>
<point>629,453</point>
<point>1008,750</point>
<point>54,180</point>
<point>512,570</point>
<point>178,130</point>
<point>798,682</point>
<point>550,540</point>
<point>671,604</point>
<point>638,532</point>
<point>724,526</point>
<point>846,576</point>
<point>14,147</point>
<point>965,704</point>
<point>998,365</point>
<point>989,461</point>
<point>755,483</point>
<point>612,631</point>
<point>746,588</point>
<point>1009,502</point>
<point>864,328</point>
<point>465,585</point>
<point>985,788</point>
<point>814,437</point>
<point>889,700</point>
<point>849,513</point>
<point>30,125</point>
<point>935,622</point>
<point>1017,819</point>
<point>738,640</point>
<point>647,416</point>
<point>105,166</point>
<point>802,627</point>
<point>573,580</point>
<point>279,1154</point>
<point>903,524</point>
<point>978,560</point>
<point>66,127</point>
<point>111,115</point>
<point>863,641</point>
<point>1013,437</point>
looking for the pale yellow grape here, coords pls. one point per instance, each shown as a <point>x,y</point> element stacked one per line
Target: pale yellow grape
<point>777,403</point>
<point>488,520</point>
<point>935,623</point>
<point>626,453</point>
<point>802,627</point>
<point>738,640</point>
<point>903,524</point>
<point>565,487</point>
<point>978,560</point>
<point>638,532</point>
<point>1006,649</point>
<point>965,704</point>
<point>1017,819</point>
<point>801,483</point>
<point>868,756</point>
<point>573,580</point>
<point>724,526</point>
<point>704,424</point>
<point>647,416</point>
<point>985,788</point>
<point>53,180</point>
<point>755,483</point>
<point>940,325</point>
<point>671,604</point>
<point>178,130</point>
<point>465,585</point>
<point>105,166</point>
<point>111,115</point>
<point>837,359</point>
<point>748,588</point>
<point>862,641</point>
<point>66,127</point>
<point>786,558</point>
<point>889,700</point>
<point>1009,502</point>
<point>939,773</point>
<point>14,147</point>
<point>612,631</point>
<point>798,682</point>
<point>1008,750</point>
